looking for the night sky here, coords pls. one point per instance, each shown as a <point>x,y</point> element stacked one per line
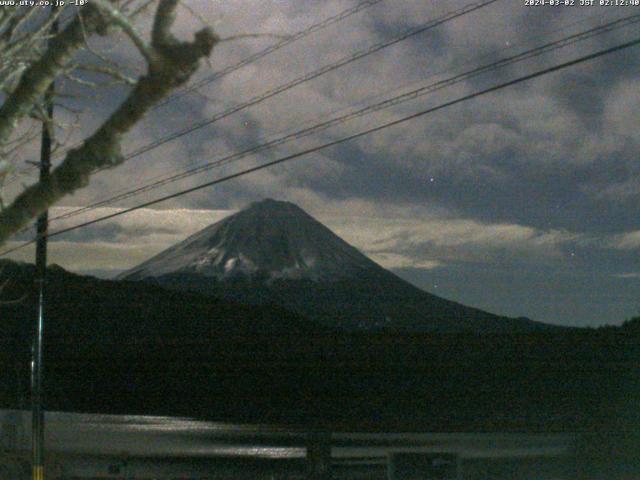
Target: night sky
<point>523,202</point>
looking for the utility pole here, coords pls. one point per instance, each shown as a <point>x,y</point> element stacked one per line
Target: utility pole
<point>319,455</point>
<point>37,411</point>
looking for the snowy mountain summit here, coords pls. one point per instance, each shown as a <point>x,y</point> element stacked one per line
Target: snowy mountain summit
<point>268,240</point>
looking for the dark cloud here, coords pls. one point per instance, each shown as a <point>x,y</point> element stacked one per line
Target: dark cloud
<point>551,160</point>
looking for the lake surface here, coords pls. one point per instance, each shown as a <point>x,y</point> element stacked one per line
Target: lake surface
<point>146,442</point>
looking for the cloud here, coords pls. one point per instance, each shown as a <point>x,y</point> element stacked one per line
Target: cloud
<point>617,192</point>
<point>505,158</point>
<point>397,261</point>
<point>628,275</point>
<point>396,238</point>
<point>120,242</point>
<point>626,241</point>
<point>458,240</point>
<point>527,174</point>
<point>82,256</point>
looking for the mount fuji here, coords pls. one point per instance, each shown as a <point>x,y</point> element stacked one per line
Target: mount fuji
<point>274,253</point>
<point>270,240</point>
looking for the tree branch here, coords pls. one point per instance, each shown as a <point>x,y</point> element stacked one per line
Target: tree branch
<point>176,62</point>
<point>122,21</point>
<point>39,76</point>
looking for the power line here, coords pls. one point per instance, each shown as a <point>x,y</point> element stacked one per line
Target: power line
<point>369,131</point>
<point>390,102</point>
<point>258,55</point>
<point>310,76</point>
<point>124,193</point>
<point>276,46</point>
<point>313,75</point>
<point>469,8</point>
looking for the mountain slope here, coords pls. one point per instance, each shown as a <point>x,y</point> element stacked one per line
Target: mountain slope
<point>272,240</point>
<point>275,253</point>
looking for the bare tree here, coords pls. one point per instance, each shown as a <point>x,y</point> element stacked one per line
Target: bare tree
<point>31,60</point>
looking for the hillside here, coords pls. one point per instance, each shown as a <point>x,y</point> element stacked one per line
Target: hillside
<point>124,347</point>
